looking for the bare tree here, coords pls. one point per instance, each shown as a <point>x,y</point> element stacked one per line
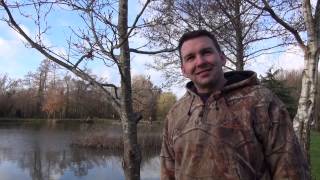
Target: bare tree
<point>54,103</point>
<point>103,36</point>
<point>301,22</point>
<point>240,29</point>
<point>40,80</point>
<point>8,88</point>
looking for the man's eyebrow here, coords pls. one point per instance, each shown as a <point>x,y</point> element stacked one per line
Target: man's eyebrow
<point>187,55</point>
<point>211,49</point>
<point>206,49</point>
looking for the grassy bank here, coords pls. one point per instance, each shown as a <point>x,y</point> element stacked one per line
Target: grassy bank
<point>315,155</point>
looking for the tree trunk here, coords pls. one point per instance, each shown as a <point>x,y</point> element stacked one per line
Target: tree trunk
<point>317,118</point>
<point>131,154</point>
<point>239,37</point>
<point>41,88</point>
<point>305,113</point>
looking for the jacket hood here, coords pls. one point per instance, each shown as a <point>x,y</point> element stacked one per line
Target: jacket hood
<point>239,79</point>
<point>235,80</point>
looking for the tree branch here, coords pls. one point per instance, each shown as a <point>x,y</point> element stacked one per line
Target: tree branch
<point>293,31</point>
<point>98,42</point>
<point>152,52</point>
<point>252,23</point>
<point>114,87</point>
<point>134,24</point>
<point>264,49</point>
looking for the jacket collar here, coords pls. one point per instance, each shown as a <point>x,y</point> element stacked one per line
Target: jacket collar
<point>235,80</point>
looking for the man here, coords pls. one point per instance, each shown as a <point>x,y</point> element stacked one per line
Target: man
<point>226,126</point>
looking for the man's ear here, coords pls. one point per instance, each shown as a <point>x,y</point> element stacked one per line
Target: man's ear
<point>183,71</point>
<point>223,58</point>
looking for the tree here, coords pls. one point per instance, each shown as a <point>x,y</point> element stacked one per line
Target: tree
<point>8,88</point>
<point>54,103</point>
<point>40,79</point>
<point>145,96</point>
<point>104,34</point>
<point>165,102</point>
<point>300,19</point>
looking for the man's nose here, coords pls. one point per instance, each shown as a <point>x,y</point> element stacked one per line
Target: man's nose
<point>200,60</point>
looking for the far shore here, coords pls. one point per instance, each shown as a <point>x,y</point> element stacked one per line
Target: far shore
<point>80,120</point>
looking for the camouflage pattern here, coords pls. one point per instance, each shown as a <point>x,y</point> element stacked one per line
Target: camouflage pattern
<point>242,132</point>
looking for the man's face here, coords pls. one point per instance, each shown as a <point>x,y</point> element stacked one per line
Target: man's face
<point>202,63</point>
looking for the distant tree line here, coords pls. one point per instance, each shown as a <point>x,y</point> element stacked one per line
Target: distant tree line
<point>47,93</point>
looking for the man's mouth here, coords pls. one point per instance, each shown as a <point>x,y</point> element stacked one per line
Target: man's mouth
<point>203,71</point>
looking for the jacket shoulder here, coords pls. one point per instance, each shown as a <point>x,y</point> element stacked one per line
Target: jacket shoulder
<point>181,105</point>
<point>178,112</point>
<point>254,95</point>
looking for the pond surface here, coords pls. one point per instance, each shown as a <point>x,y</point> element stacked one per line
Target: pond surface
<point>44,152</point>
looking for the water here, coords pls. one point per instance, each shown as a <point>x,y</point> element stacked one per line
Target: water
<point>43,152</point>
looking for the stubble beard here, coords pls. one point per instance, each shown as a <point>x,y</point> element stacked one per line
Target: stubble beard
<point>214,81</point>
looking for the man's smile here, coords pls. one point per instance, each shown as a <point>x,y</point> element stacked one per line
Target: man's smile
<point>203,71</point>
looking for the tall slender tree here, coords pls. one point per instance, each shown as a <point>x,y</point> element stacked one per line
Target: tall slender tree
<point>300,21</point>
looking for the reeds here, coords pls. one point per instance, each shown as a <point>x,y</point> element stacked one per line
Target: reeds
<point>149,142</point>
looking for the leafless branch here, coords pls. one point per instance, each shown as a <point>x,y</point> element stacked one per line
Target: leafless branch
<point>114,87</point>
<point>260,39</point>
<point>264,49</point>
<point>98,41</point>
<point>268,8</point>
<point>265,53</point>
<point>152,52</point>
<point>134,24</point>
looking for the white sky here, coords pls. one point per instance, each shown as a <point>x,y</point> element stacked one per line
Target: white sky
<point>16,60</point>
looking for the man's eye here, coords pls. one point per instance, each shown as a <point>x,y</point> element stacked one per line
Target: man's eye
<point>189,58</point>
<point>207,53</point>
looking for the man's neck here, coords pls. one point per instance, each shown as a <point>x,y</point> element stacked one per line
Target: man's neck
<point>208,90</point>
<point>204,96</point>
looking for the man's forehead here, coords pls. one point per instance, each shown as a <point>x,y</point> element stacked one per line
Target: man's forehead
<point>198,43</point>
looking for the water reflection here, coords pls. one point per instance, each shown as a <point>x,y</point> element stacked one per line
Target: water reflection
<point>41,153</point>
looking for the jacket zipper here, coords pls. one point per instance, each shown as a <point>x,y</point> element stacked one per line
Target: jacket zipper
<point>204,113</point>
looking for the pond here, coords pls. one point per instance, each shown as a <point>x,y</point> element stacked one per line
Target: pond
<point>43,151</point>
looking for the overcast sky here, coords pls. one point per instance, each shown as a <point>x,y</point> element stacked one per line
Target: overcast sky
<point>16,59</point>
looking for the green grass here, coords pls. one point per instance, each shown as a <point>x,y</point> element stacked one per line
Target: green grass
<point>315,155</point>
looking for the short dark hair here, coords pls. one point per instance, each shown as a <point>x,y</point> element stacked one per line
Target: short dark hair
<point>194,34</point>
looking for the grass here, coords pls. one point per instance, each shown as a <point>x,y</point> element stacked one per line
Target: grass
<point>315,155</point>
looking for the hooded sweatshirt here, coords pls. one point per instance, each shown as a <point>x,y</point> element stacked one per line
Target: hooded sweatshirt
<point>241,132</point>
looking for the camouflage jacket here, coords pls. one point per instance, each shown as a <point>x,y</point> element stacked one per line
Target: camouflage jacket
<point>242,132</point>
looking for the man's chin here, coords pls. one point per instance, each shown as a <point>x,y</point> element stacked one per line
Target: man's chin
<point>205,81</point>
<point>205,84</point>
